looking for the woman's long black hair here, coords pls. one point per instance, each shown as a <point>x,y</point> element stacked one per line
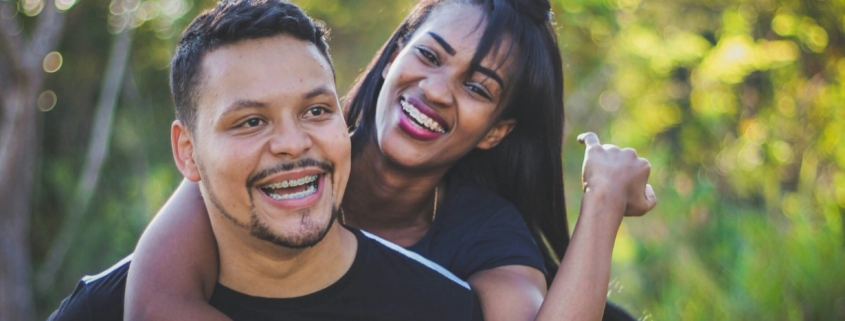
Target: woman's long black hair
<point>526,167</point>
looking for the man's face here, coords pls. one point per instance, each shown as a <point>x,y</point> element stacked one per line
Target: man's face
<point>270,144</point>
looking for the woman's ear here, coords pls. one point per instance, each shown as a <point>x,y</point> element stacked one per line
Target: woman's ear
<point>495,135</point>
<point>183,151</point>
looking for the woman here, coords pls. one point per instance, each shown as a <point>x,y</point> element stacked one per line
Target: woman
<point>451,108</point>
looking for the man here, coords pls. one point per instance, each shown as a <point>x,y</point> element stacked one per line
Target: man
<point>260,127</point>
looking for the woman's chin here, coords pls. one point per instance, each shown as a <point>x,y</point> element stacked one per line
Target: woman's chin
<point>406,154</point>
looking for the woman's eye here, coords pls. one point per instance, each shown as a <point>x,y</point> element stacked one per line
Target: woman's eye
<point>479,91</point>
<point>252,122</point>
<point>429,56</point>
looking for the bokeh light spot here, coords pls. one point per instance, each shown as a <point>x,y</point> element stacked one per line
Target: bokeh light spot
<point>784,24</point>
<point>683,184</point>
<point>46,101</point>
<point>65,5</point>
<point>782,151</point>
<point>8,10</point>
<point>813,36</point>
<point>609,101</point>
<point>32,7</point>
<point>52,62</point>
<point>749,156</point>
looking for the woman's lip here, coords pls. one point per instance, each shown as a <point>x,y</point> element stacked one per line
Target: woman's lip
<point>427,111</point>
<point>412,129</point>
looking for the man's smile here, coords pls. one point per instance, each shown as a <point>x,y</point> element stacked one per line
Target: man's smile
<point>292,188</point>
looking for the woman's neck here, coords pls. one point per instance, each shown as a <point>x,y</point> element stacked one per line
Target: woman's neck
<point>388,200</point>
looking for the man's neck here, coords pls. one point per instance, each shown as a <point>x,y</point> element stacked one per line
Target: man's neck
<point>260,268</point>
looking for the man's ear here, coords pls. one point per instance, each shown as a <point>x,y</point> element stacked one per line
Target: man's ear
<point>393,55</point>
<point>183,151</point>
<point>495,135</point>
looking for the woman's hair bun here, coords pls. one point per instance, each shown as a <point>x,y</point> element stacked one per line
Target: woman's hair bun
<point>536,10</point>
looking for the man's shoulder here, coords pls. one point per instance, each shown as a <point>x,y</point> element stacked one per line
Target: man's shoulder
<point>411,287</point>
<point>389,255</point>
<point>97,297</point>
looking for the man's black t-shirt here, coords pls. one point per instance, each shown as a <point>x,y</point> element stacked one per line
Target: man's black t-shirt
<point>98,297</point>
<point>385,282</point>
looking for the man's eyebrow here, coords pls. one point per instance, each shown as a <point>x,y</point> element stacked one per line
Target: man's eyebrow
<point>243,104</point>
<point>446,46</point>
<point>492,74</point>
<point>248,103</point>
<point>319,91</point>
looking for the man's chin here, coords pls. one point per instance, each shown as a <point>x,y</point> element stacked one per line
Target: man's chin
<point>305,237</point>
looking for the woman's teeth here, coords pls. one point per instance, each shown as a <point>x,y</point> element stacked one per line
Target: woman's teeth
<point>273,191</point>
<point>421,119</point>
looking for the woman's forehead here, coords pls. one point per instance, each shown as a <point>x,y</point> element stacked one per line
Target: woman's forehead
<point>461,26</point>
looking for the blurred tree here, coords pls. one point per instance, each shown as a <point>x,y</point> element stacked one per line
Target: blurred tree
<point>98,147</point>
<point>22,64</point>
<point>737,104</point>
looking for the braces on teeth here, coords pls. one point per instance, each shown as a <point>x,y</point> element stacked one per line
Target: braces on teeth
<point>308,191</point>
<point>421,118</point>
<point>291,183</point>
<point>311,189</point>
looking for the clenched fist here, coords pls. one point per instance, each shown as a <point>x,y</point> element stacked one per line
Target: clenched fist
<point>617,173</point>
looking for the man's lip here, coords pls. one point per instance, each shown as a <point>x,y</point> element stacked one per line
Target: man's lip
<point>289,175</point>
<point>428,112</point>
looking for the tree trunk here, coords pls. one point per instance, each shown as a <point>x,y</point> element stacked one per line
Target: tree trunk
<point>98,147</point>
<point>17,159</point>
<point>22,83</point>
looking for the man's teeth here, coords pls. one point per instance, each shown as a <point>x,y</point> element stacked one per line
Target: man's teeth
<point>291,183</point>
<point>421,118</point>
<point>311,189</point>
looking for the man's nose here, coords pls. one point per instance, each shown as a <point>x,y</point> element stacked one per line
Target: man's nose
<point>290,140</point>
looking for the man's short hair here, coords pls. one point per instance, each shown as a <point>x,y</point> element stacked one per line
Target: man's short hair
<point>231,21</point>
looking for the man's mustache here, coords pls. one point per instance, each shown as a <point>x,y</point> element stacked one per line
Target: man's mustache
<point>284,167</point>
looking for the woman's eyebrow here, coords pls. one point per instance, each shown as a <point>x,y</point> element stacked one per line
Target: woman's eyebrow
<point>446,46</point>
<point>492,74</point>
<point>451,51</point>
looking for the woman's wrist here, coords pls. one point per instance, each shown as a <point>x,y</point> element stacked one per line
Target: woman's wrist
<point>604,207</point>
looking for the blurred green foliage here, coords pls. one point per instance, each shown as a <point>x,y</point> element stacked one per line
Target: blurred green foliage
<point>737,104</point>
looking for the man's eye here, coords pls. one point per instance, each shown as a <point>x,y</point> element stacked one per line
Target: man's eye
<point>428,56</point>
<point>252,122</point>
<point>317,111</point>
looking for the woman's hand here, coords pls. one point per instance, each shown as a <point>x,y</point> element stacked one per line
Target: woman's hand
<point>615,185</point>
<point>620,172</point>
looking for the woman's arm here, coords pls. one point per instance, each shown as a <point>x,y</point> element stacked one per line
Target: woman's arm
<point>175,266</point>
<point>512,292</point>
<point>614,186</point>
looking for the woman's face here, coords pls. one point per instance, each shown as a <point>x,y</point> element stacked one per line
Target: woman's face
<point>431,111</point>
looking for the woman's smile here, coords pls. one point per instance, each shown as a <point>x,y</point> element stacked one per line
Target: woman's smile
<point>419,121</point>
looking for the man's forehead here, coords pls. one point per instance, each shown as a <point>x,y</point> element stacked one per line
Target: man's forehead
<point>265,69</point>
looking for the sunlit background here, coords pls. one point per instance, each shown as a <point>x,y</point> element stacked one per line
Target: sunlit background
<point>737,104</point>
